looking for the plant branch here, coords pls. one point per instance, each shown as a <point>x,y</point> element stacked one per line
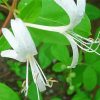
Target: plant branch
<point>10,15</point>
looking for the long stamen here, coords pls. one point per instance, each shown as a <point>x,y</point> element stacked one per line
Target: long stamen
<point>98,43</point>
<point>27,78</point>
<point>34,76</point>
<point>25,83</point>
<point>46,81</point>
<point>97,39</point>
<point>38,75</point>
<point>37,92</point>
<point>87,50</point>
<point>41,70</point>
<point>89,47</point>
<point>81,42</point>
<point>86,41</point>
<point>83,38</point>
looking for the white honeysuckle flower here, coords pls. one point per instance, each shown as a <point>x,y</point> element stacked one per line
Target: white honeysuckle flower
<point>24,50</point>
<point>75,12</point>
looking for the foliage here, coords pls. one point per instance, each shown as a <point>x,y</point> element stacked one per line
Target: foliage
<point>92,12</point>
<point>55,53</point>
<point>6,93</point>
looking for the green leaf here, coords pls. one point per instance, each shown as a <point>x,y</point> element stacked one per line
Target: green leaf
<point>94,58</point>
<point>14,66</point>
<point>77,80</point>
<point>96,66</point>
<point>52,16</point>
<point>45,56</point>
<point>32,93</point>
<point>89,79</point>
<point>2,1</point>
<point>70,91</point>
<point>92,12</point>
<point>2,17</point>
<point>48,37</point>
<point>7,93</point>
<point>59,67</point>
<point>84,28</point>
<point>23,3</point>
<point>94,62</point>
<point>18,69</point>
<point>97,96</point>
<point>3,44</point>
<point>61,53</point>
<point>55,15</point>
<point>81,96</point>
<point>31,11</point>
<point>55,98</point>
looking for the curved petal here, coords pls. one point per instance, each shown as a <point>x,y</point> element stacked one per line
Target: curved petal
<point>10,38</point>
<point>70,7</point>
<point>23,36</point>
<point>59,29</point>
<point>12,54</point>
<point>80,10</point>
<point>81,7</point>
<point>75,50</point>
<point>37,76</point>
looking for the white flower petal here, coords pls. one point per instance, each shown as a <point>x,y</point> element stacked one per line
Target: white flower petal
<point>40,85</point>
<point>80,10</point>
<point>59,29</point>
<point>16,45</point>
<point>12,54</point>
<point>75,50</point>
<point>37,77</point>
<point>10,38</point>
<point>81,7</point>
<point>70,7</point>
<point>23,36</point>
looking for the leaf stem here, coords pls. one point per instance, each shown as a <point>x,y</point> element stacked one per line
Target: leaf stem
<point>10,15</point>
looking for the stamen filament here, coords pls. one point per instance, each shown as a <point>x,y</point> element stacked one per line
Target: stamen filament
<point>87,50</point>
<point>88,40</point>
<point>82,42</point>
<point>46,81</point>
<point>37,92</point>
<point>27,78</point>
